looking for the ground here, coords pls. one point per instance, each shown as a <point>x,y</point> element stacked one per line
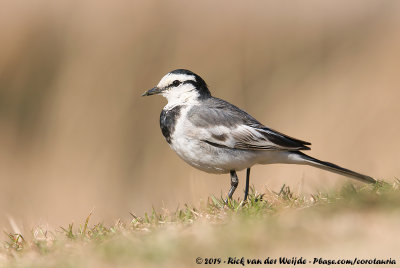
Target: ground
<point>355,224</point>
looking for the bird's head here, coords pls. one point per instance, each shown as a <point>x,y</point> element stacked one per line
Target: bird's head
<point>180,86</point>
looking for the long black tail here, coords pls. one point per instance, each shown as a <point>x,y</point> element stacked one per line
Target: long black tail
<point>335,168</point>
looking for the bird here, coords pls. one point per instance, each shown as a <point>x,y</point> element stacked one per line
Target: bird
<point>217,137</point>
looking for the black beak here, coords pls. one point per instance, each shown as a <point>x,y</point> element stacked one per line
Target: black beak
<point>153,91</point>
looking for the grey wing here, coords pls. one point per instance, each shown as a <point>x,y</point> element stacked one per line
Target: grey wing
<point>267,139</point>
<point>224,125</point>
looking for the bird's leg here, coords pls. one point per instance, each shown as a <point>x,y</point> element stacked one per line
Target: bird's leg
<point>246,189</point>
<point>234,184</point>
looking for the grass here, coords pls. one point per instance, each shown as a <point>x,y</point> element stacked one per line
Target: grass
<point>349,222</point>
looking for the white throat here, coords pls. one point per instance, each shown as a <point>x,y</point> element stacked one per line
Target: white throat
<point>185,94</point>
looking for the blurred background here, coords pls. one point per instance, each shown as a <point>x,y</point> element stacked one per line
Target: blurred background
<point>75,135</point>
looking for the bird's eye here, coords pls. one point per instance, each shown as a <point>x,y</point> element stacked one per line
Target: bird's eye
<point>176,83</point>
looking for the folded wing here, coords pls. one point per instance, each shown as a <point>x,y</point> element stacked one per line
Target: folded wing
<point>225,125</point>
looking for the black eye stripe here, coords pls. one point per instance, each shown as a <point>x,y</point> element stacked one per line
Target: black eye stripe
<point>176,83</point>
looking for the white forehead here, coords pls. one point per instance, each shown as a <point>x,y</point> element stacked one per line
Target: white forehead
<point>170,77</point>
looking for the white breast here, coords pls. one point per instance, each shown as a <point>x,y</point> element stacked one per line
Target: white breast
<point>188,142</point>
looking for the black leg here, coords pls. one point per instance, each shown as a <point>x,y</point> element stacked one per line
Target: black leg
<point>234,184</point>
<point>246,189</point>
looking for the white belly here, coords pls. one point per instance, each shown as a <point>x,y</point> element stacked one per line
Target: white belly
<point>187,142</point>
<point>211,159</point>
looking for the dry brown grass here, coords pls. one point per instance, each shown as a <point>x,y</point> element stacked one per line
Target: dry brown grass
<point>351,222</point>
